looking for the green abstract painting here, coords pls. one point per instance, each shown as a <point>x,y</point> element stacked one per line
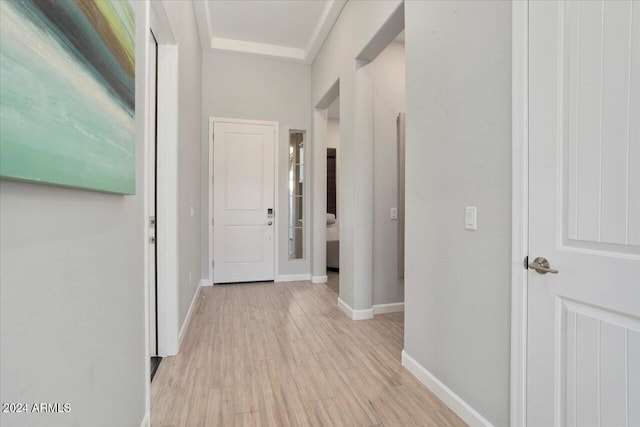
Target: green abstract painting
<point>67,93</point>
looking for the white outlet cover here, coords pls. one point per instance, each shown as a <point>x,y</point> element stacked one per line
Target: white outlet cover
<point>394,213</point>
<point>471,218</point>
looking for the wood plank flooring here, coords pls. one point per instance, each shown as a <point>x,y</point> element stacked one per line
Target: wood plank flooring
<point>283,354</point>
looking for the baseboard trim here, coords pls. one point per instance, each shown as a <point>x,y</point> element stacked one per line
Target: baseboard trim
<point>187,320</point>
<point>388,308</point>
<point>444,393</point>
<point>319,279</point>
<point>355,314</point>
<point>145,420</point>
<point>205,282</point>
<point>293,277</point>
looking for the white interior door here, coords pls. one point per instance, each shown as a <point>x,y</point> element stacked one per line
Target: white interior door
<point>583,346</point>
<point>153,334</point>
<point>243,201</point>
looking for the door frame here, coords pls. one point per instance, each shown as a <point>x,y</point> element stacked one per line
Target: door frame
<point>276,200</point>
<point>152,196</point>
<point>520,209</point>
<point>167,179</point>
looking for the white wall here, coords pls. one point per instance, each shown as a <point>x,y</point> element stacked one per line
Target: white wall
<point>249,87</point>
<point>183,23</point>
<point>389,99</point>
<point>72,293</point>
<point>355,27</point>
<point>458,153</point>
<point>333,133</point>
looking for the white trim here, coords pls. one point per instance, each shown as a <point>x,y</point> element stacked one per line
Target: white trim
<point>293,277</point>
<point>388,308</point>
<point>210,198</point>
<point>319,279</point>
<point>203,20</point>
<point>146,196</point>
<point>520,209</point>
<point>160,24</point>
<point>205,282</point>
<point>318,197</point>
<point>444,393</point>
<point>167,204</point>
<point>145,421</point>
<point>355,314</point>
<point>276,194</point>
<point>320,33</point>
<point>216,119</point>
<point>187,319</point>
<point>261,49</point>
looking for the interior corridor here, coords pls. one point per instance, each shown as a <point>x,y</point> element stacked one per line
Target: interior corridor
<point>280,354</point>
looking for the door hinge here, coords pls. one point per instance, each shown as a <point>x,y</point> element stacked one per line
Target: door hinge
<point>526,262</point>
<point>212,262</point>
<point>152,221</point>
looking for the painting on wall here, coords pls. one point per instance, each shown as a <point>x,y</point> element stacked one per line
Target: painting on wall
<point>67,93</point>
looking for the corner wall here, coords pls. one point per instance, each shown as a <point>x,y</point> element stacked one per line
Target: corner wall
<point>458,153</point>
<point>241,86</point>
<point>72,292</point>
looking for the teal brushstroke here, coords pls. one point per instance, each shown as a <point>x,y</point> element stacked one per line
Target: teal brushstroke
<point>50,132</point>
<point>64,21</point>
<point>127,17</point>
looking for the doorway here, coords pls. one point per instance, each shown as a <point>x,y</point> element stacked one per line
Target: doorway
<point>244,226</point>
<point>388,77</point>
<point>333,196</point>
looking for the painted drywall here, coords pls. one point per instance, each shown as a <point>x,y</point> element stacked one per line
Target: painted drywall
<point>183,23</point>
<point>249,87</point>
<point>333,141</point>
<point>333,133</point>
<point>458,153</point>
<point>389,99</point>
<point>358,23</point>
<point>72,293</point>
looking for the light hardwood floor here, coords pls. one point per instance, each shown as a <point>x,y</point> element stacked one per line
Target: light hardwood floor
<point>283,354</point>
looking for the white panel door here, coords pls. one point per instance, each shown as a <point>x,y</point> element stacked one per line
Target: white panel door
<point>583,340</point>
<point>243,202</point>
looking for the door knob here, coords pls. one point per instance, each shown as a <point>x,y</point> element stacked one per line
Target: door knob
<point>541,265</point>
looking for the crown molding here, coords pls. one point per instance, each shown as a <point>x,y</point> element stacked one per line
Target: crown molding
<point>203,22</point>
<point>328,18</point>
<point>262,49</point>
<point>322,29</point>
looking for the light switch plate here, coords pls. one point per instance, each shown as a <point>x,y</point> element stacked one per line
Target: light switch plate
<point>471,218</point>
<point>394,213</point>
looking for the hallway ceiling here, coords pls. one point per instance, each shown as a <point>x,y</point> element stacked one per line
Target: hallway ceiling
<point>287,29</point>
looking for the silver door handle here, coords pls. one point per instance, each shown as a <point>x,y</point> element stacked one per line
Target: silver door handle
<point>541,265</point>
<point>270,223</point>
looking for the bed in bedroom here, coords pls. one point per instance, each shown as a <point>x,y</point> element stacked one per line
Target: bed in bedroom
<point>333,243</point>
